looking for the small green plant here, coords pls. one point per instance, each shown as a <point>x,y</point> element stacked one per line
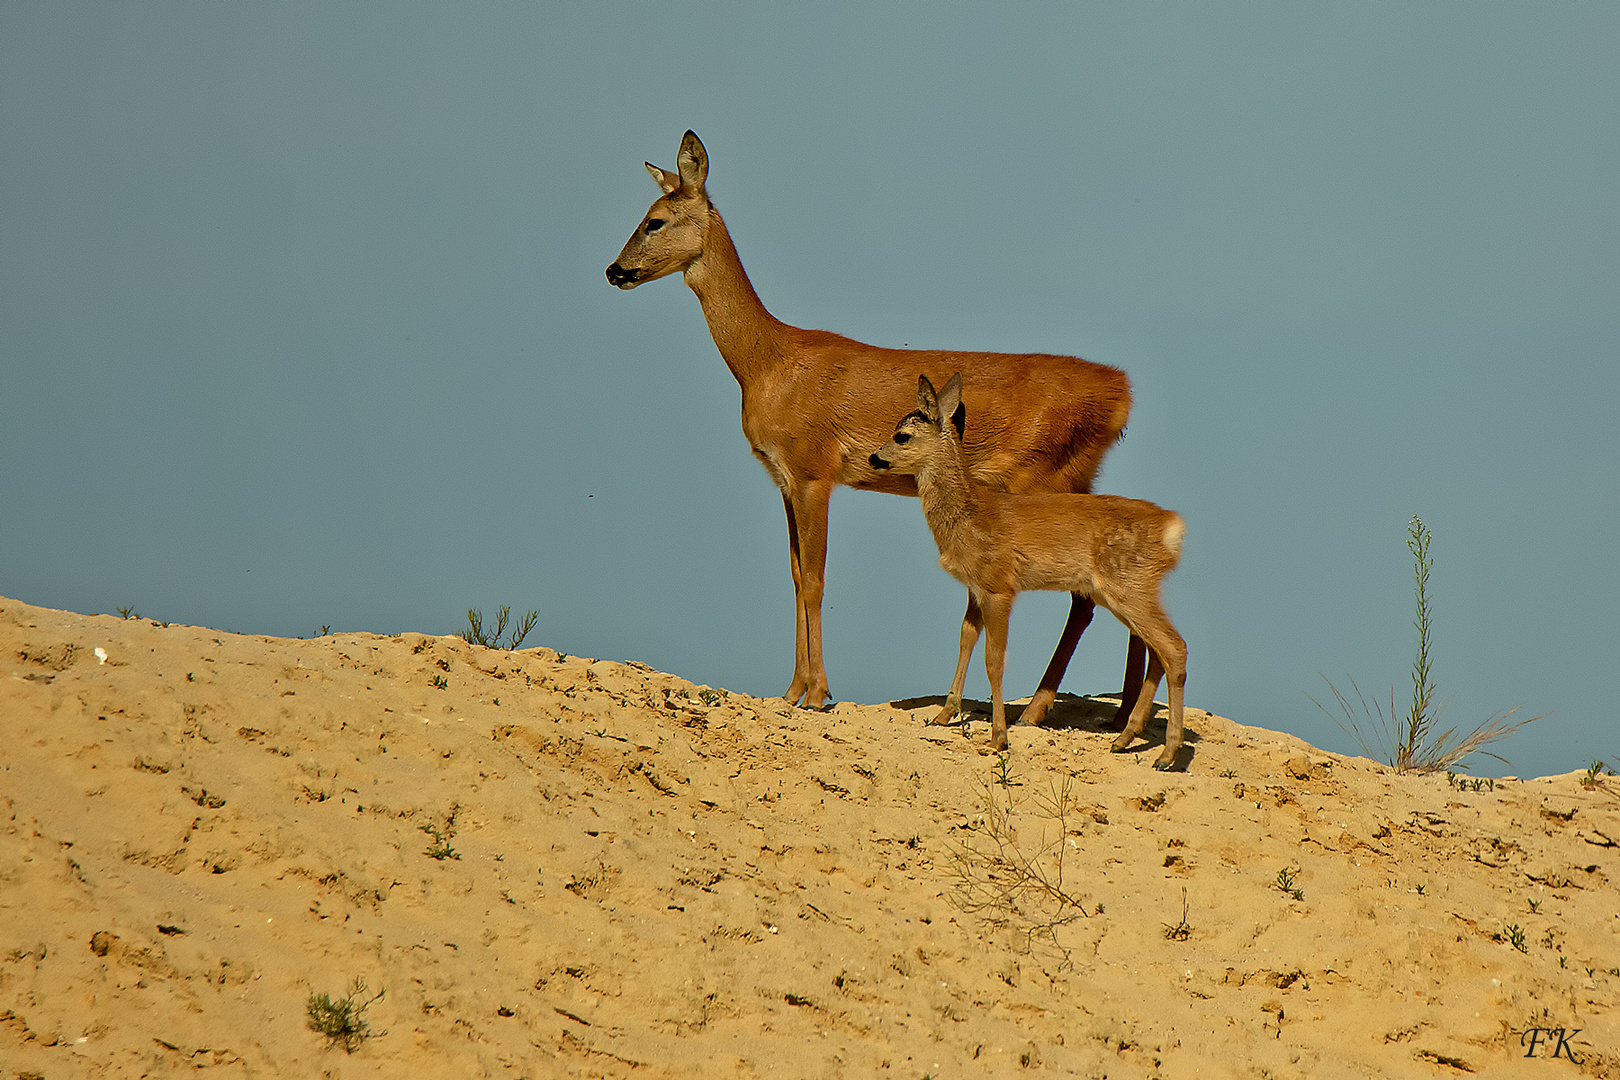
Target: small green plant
<point>1409,743</point>
<point>1535,906</point>
<point>1229,773</point>
<point>128,613</point>
<point>475,633</point>
<point>1001,771</point>
<point>323,631</point>
<point>1180,931</point>
<point>441,682</point>
<point>343,1020</point>
<point>1515,936</point>
<point>1594,775</point>
<point>710,697</point>
<point>1285,882</point>
<point>441,848</point>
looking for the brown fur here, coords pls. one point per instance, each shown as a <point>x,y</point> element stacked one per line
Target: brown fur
<point>814,403</point>
<point>1113,551</point>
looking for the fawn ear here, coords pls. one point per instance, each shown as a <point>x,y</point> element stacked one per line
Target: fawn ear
<point>950,405</point>
<point>693,163</point>
<point>668,182</point>
<point>927,401</point>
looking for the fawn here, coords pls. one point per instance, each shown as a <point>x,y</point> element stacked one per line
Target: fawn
<point>1111,550</point>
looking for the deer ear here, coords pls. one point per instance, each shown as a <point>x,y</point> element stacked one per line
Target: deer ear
<point>693,163</point>
<point>927,401</point>
<point>667,181</point>
<point>950,404</point>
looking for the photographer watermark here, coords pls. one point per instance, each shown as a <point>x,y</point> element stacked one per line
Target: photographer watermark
<point>1557,1038</point>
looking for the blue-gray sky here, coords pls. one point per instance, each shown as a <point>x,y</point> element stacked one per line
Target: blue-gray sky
<point>303,323</point>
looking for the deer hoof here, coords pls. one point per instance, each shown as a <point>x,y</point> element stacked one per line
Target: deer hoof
<point>1034,713</point>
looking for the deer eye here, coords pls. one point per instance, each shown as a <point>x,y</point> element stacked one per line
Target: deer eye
<point>654,224</point>
<point>902,437</point>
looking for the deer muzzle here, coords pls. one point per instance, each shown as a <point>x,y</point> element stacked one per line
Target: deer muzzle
<point>624,279</point>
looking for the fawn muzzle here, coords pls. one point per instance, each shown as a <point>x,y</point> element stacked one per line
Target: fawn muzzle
<point>624,279</point>
<point>877,463</point>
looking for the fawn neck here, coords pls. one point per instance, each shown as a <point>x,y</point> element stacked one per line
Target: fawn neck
<point>947,498</point>
<point>749,337</point>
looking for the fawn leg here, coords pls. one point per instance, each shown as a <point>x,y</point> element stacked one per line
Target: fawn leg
<point>997,609</point>
<point>1144,704</point>
<point>1135,671</point>
<point>1171,650</point>
<point>971,623</point>
<point>1081,608</point>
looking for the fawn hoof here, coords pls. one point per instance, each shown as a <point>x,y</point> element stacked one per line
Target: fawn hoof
<point>999,743</point>
<point>1035,712</point>
<point>947,712</point>
<point>813,697</point>
<point>1119,745</point>
<point>1165,762</point>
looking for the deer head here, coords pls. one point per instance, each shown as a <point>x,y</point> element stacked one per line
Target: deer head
<point>671,235</point>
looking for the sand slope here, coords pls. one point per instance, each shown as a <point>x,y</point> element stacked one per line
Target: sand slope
<point>560,867</point>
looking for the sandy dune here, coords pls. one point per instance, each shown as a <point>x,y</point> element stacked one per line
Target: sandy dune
<point>558,867</point>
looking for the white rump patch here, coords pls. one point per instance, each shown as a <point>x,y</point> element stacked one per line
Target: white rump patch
<point>1174,533</point>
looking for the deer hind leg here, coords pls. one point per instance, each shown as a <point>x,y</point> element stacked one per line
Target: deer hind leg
<point>971,624</point>
<point>997,609</point>
<point>807,552</point>
<point>1081,609</point>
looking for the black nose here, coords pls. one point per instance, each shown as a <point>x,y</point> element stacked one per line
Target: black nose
<point>618,275</point>
<point>877,463</point>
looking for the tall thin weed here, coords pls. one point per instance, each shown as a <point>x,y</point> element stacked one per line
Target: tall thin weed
<point>1409,743</point>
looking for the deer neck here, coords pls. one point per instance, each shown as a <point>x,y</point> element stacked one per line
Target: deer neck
<point>947,499</point>
<point>749,337</point>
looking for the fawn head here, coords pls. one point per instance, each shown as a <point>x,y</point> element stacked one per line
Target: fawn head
<point>932,428</point>
<point>670,236</point>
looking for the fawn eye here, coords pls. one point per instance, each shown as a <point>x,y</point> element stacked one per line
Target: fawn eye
<point>902,437</point>
<point>654,224</point>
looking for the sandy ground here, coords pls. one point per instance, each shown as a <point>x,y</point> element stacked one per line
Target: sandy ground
<point>558,867</point>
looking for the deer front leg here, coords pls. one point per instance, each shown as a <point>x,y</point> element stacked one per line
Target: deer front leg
<point>971,623</point>
<point>1081,609</point>
<point>997,608</point>
<point>801,652</point>
<point>806,506</point>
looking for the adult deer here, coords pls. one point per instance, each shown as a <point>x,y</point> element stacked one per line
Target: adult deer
<point>815,403</point>
<point>1107,549</point>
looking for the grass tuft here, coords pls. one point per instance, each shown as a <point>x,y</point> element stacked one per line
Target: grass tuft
<point>475,634</point>
<point>342,1020</point>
